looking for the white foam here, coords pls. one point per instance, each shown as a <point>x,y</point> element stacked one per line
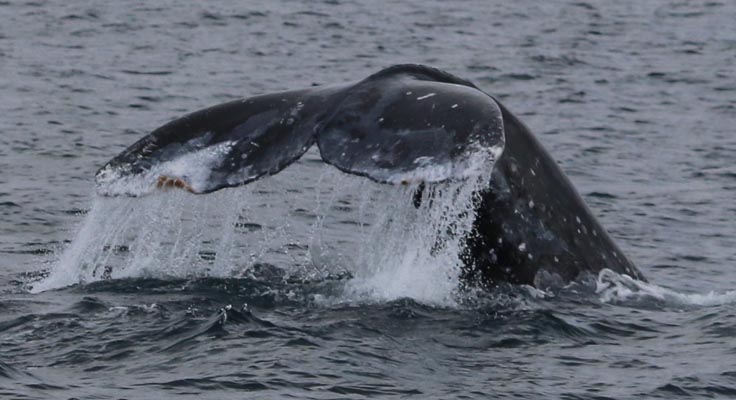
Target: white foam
<point>613,287</point>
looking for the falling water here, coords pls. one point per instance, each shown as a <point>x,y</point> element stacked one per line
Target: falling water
<point>393,248</point>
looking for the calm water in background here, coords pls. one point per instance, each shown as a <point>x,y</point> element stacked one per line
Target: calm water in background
<point>636,100</point>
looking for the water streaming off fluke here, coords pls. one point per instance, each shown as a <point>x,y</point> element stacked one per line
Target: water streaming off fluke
<point>395,241</point>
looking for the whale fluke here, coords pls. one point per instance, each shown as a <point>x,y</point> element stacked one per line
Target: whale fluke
<point>407,123</point>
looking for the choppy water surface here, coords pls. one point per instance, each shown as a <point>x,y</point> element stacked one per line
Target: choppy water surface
<point>316,285</point>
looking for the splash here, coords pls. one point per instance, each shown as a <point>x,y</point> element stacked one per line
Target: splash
<point>148,237</point>
<point>413,251</point>
<point>310,220</point>
<point>616,288</point>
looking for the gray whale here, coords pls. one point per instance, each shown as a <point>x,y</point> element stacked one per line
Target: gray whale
<point>404,124</point>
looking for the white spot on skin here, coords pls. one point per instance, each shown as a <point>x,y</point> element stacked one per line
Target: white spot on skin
<point>577,219</point>
<point>531,203</point>
<point>380,119</point>
<point>408,93</point>
<point>522,247</point>
<point>255,144</point>
<point>532,171</point>
<point>426,96</point>
<point>454,106</point>
<point>557,259</point>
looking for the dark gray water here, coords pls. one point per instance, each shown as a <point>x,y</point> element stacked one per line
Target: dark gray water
<point>636,100</point>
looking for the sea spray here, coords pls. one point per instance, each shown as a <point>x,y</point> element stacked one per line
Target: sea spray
<point>152,236</point>
<point>335,223</point>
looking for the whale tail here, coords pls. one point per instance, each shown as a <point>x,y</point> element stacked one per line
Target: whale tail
<point>407,123</point>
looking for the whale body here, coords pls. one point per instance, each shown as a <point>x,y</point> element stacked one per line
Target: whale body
<point>406,124</point>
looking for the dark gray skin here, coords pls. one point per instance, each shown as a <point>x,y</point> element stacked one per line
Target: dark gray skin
<point>375,128</point>
<point>531,219</point>
<point>529,223</point>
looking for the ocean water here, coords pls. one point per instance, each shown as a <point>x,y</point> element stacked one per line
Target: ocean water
<point>313,284</point>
